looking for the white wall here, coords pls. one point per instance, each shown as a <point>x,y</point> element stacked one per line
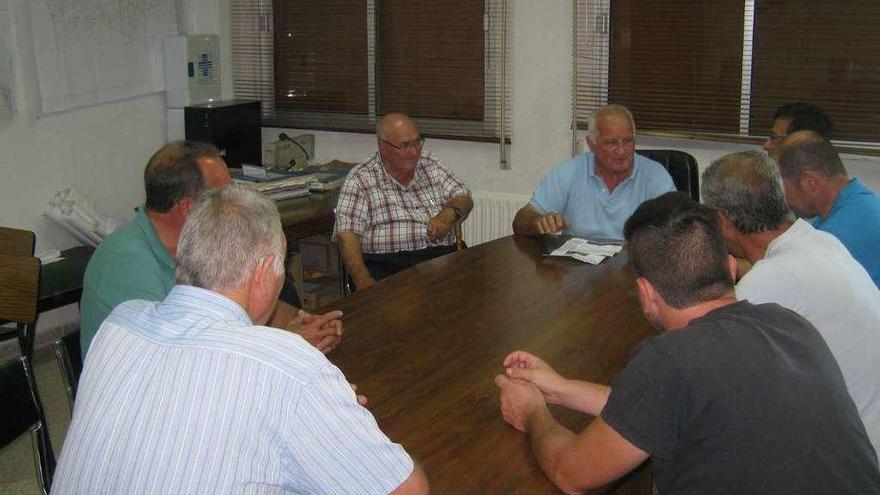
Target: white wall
<point>99,150</point>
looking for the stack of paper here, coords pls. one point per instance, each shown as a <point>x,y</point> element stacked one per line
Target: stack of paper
<point>288,187</point>
<point>586,251</point>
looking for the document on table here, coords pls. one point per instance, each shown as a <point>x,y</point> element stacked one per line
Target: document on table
<point>586,251</point>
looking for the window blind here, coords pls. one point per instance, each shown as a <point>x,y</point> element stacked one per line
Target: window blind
<point>718,69</point>
<point>821,52</point>
<point>341,64</point>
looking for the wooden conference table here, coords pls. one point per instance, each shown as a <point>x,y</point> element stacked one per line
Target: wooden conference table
<point>425,345</point>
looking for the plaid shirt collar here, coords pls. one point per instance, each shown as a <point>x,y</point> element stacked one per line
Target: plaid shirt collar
<point>388,179</point>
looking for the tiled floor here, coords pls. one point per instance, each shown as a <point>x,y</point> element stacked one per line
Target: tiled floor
<point>17,471</point>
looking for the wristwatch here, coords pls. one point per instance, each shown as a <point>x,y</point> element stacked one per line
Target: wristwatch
<point>457,211</point>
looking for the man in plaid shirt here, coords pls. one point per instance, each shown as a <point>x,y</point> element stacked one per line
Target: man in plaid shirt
<point>399,207</point>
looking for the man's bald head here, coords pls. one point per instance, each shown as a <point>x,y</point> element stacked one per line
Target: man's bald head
<point>609,112</point>
<point>400,145</point>
<point>394,124</point>
<point>182,170</point>
<point>808,150</point>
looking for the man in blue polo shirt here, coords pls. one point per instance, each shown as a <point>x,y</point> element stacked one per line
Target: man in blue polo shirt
<point>593,194</point>
<point>817,185</point>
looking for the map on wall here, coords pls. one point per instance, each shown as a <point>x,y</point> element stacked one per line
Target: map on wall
<point>6,74</point>
<point>94,51</point>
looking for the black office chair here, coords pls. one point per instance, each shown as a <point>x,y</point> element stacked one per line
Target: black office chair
<point>681,166</point>
<point>23,411</point>
<point>20,406</point>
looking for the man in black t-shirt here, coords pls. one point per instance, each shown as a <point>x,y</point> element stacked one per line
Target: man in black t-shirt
<point>732,398</point>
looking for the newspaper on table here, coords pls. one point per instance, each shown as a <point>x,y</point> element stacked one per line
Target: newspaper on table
<point>586,251</point>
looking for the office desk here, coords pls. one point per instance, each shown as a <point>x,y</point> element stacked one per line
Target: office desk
<point>425,345</point>
<point>313,214</point>
<point>61,282</point>
<point>308,215</point>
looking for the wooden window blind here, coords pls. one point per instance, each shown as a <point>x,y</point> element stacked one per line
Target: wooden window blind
<point>718,69</point>
<point>431,68</point>
<point>675,64</point>
<point>341,64</point>
<point>319,67</point>
<point>820,52</point>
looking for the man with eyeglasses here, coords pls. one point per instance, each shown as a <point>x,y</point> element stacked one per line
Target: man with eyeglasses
<point>593,194</point>
<point>797,116</point>
<point>399,207</point>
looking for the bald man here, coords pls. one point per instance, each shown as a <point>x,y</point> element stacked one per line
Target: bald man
<point>593,194</point>
<point>817,186</point>
<point>399,207</point>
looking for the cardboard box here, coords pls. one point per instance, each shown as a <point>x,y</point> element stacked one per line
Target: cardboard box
<point>320,292</point>
<point>319,255</point>
<point>295,272</point>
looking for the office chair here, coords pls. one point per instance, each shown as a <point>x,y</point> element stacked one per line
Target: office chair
<point>681,166</point>
<point>20,405</point>
<point>68,355</point>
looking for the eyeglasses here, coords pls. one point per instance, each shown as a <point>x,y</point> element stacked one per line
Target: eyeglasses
<point>410,145</point>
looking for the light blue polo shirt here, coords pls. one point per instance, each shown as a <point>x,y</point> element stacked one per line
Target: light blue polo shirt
<point>854,218</point>
<point>574,190</point>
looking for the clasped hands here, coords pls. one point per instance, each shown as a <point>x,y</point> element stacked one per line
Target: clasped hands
<point>527,385</point>
<point>322,331</point>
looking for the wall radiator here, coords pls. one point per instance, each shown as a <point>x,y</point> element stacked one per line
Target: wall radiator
<point>492,216</point>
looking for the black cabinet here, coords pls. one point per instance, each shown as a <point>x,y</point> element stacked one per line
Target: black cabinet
<point>231,125</point>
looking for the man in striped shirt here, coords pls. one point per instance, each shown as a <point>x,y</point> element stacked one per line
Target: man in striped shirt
<point>193,395</point>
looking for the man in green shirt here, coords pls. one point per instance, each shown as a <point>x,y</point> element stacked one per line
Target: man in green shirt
<point>137,261</point>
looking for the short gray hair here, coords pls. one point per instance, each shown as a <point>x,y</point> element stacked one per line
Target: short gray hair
<point>225,238</point>
<point>747,189</point>
<point>610,108</point>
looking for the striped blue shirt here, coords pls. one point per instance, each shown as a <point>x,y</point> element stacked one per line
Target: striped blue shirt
<point>187,396</point>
